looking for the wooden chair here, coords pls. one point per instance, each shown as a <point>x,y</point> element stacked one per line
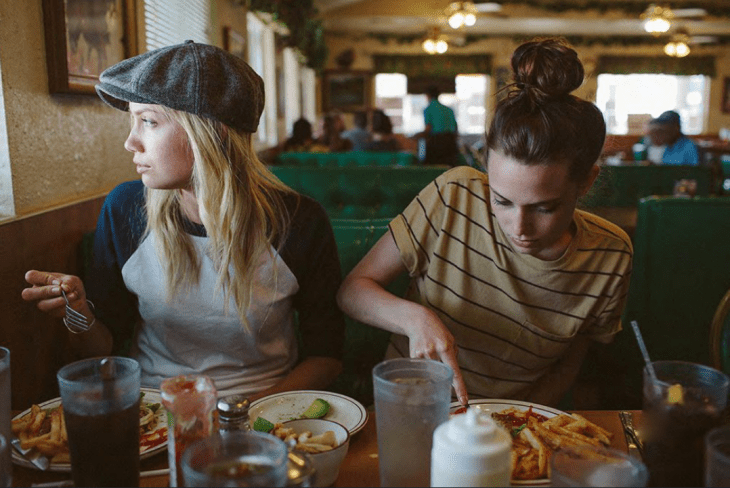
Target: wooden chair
<point>720,336</point>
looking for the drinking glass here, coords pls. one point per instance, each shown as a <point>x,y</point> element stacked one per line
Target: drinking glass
<point>412,398</point>
<point>5,407</point>
<point>678,411</point>
<point>717,457</point>
<point>100,399</point>
<point>596,466</point>
<point>239,458</point>
<point>6,474</point>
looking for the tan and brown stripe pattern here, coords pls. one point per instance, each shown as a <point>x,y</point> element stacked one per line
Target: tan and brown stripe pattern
<point>512,315</point>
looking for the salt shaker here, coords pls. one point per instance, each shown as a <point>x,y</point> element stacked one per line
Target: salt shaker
<point>191,415</point>
<point>471,450</point>
<point>233,414</point>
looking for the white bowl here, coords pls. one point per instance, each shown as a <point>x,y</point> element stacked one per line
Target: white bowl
<point>327,464</point>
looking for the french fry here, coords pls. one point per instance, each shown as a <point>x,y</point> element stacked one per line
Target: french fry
<point>38,416</point>
<point>55,426</point>
<point>32,442</point>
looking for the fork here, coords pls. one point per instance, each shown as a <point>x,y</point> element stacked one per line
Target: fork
<point>75,322</point>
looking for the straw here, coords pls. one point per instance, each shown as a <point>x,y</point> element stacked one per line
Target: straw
<point>645,353</point>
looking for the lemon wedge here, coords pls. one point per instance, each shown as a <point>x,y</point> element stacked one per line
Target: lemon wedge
<point>675,394</point>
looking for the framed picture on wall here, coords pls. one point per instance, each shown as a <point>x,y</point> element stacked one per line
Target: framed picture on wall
<point>234,42</point>
<point>347,91</point>
<point>83,38</point>
<point>726,96</point>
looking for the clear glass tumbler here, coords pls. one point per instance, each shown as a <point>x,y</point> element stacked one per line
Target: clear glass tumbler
<point>241,458</point>
<point>596,466</point>
<point>686,403</point>
<point>717,457</point>
<point>5,412</point>
<point>412,398</point>
<point>100,399</point>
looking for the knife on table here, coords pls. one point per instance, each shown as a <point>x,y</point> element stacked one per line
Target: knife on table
<point>632,437</point>
<point>39,460</point>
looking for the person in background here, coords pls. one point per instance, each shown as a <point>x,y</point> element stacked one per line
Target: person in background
<point>331,128</point>
<point>208,264</point>
<point>358,135</point>
<point>301,139</point>
<point>383,140</point>
<point>666,131</point>
<point>511,283</point>
<point>441,132</point>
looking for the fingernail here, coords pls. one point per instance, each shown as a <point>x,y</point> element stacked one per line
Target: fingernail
<point>56,289</point>
<point>55,282</point>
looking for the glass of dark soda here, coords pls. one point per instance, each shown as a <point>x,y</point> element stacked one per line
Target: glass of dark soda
<point>100,398</point>
<point>678,410</point>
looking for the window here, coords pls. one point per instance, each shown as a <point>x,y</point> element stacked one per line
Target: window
<point>625,98</point>
<point>262,58</point>
<point>169,22</point>
<point>406,110</point>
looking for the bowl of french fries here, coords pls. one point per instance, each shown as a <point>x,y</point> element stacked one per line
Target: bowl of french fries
<point>325,441</point>
<point>537,432</point>
<point>42,428</point>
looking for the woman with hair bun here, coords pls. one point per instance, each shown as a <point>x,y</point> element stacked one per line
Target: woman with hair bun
<point>511,281</point>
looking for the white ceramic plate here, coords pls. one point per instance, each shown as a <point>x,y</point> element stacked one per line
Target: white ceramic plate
<point>150,396</point>
<point>490,405</point>
<point>290,405</point>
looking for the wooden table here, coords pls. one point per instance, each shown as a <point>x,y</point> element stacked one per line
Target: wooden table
<point>360,467</point>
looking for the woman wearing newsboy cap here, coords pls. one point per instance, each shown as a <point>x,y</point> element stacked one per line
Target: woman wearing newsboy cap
<point>201,266</point>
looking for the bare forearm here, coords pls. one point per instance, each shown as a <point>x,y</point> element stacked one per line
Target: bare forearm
<point>367,301</point>
<point>97,341</point>
<point>314,373</point>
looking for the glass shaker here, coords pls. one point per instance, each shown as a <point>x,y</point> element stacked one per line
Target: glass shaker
<point>190,402</point>
<point>233,414</point>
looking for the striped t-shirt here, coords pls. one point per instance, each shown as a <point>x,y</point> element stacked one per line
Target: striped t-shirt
<point>512,315</point>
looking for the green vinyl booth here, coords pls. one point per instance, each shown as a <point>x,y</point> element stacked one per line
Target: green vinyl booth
<point>359,193</point>
<point>681,271</point>
<point>624,186</point>
<point>351,159</point>
<point>364,345</point>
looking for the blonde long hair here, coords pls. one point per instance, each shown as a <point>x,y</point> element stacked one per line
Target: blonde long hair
<point>241,207</point>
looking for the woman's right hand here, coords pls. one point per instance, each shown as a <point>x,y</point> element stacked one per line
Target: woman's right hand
<point>429,338</point>
<point>46,291</point>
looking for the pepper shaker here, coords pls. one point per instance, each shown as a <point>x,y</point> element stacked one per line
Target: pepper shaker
<point>233,414</point>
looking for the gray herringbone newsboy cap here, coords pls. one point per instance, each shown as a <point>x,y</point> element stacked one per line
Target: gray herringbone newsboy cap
<point>196,78</point>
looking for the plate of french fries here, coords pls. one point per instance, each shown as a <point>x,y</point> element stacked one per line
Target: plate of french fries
<point>42,428</point>
<point>537,431</point>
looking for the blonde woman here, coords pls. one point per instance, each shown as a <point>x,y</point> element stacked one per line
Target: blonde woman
<point>201,266</point>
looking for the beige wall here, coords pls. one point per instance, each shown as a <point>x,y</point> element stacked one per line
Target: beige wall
<point>62,148</point>
<point>501,51</point>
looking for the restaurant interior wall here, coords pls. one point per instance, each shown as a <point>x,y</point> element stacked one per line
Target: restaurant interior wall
<point>501,49</point>
<point>66,152</point>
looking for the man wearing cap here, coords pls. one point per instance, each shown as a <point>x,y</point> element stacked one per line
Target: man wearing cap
<point>665,130</point>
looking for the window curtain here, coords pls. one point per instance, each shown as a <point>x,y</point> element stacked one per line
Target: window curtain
<point>624,65</point>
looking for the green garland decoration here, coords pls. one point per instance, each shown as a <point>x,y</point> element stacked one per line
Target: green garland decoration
<point>628,6</point>
<point>305,32</point>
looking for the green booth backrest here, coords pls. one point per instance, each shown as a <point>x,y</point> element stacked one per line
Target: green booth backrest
<point>359,193</point>
<point>364,345</point>
<point>347,159</point>
<point>681,271</point>
<point>624,186</point>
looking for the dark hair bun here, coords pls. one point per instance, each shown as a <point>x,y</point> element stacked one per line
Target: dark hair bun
<point>549,67</point>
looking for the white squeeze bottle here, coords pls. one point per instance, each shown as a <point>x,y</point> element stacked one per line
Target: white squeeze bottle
<point>471,450</point>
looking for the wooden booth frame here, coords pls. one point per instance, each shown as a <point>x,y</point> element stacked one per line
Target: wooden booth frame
<point>234,42</point>
<point>346,91</point>
<point>725,107</point>
<point>83,38</point>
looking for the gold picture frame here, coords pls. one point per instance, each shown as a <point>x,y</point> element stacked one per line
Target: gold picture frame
<point>83,38</point>
<point>346,91</point>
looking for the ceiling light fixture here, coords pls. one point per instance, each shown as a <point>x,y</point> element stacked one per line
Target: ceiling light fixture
<point>435,43</point>
<point>678,47</point>
<point>656,19</point>
<point>461,14</point>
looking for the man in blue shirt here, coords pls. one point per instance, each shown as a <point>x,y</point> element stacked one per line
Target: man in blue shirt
<point>441,131</point>
<point>666,130</point>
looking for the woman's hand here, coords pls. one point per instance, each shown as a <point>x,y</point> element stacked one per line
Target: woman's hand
<point>46,291</point>
<point>430,339</point>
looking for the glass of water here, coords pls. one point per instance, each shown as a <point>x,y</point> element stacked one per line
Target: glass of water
<point>412,398</point>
